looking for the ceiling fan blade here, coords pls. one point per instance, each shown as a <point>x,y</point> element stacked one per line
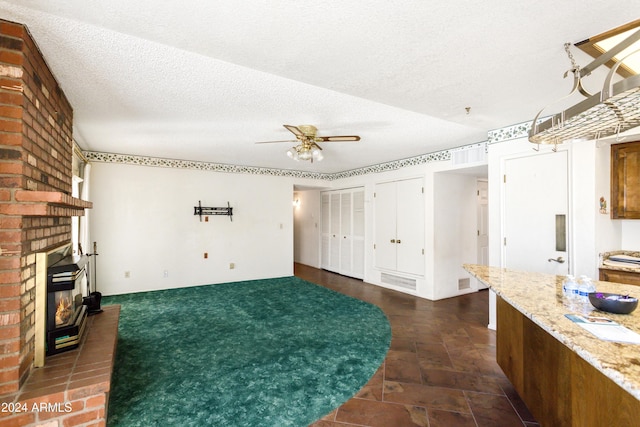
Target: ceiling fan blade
<point>338,138</point>
<point>294,130</point>
<point>270,142</point>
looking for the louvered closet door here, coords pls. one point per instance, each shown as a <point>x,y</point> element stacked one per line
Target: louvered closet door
<point>326,230</point>
<point>334,243</point>
<point>346,264</point>
<point>357,245</point>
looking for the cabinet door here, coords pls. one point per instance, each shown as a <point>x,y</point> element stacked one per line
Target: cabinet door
<point>385,226</point>
<point>625,180</point>
<point>410,227</point>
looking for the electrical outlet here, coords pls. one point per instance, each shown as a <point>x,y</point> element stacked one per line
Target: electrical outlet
<point>232,265</point>
<point>127,274</point>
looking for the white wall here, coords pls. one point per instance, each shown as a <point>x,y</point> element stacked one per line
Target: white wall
<point>143,223</point>
<point>590,232</point>
<point>455,231</point>
<point>428,285</point>
<point>630,235</point>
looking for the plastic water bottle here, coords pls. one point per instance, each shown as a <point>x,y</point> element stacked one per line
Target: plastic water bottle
<point>585,288</point>
<point>570,287</point>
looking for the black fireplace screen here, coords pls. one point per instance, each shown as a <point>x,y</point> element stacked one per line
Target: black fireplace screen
<point>66,314</point>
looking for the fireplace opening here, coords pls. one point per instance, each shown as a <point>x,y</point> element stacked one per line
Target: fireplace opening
<point>66,314</point>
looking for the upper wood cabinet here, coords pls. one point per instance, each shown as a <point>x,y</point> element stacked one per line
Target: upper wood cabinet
<point>625,180</point>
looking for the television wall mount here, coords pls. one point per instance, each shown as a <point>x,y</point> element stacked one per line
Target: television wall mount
<point>204,211</point>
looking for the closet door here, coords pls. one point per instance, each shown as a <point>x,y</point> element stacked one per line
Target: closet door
<point>343,232</point>
<point>399,226</point>
<point>334,242</point>
<point>357,247</point>
<point>346,264</point>
<point>325,232</point>
<point>385,226</point>
<point>410,227</point>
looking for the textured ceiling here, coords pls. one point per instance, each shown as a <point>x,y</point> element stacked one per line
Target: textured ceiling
<point>204,80</point>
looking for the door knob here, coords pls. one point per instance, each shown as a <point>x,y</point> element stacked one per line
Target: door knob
<point>393,240</point>
<point>398,241</point>
<point>559,260</point>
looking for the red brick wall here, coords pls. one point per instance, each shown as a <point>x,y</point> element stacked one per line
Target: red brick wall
<point>36,152</point>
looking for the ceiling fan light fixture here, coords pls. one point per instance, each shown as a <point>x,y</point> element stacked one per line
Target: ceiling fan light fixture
<point>305,154</point>
<point>308,149</point>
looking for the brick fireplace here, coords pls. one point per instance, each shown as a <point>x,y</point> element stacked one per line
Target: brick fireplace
<point>36,154</point>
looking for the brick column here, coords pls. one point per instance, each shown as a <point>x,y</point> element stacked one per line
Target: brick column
<point>36,152</point>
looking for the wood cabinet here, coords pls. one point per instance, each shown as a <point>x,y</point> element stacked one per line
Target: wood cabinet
<point>399,226</point>
<point>343,232</point>
<point>558,386</point>
<point>619,276</point>
<point>625,180</point>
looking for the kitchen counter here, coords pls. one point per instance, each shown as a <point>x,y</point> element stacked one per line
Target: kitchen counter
<point>533,309</point>
<point>606,264</point>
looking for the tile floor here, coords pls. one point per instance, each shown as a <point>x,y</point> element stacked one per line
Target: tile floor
<point>440,370</point>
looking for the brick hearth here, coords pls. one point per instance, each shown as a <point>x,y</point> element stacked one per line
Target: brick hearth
<point>73,387</point>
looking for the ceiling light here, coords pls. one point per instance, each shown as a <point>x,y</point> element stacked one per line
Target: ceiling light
<point>306,151</point>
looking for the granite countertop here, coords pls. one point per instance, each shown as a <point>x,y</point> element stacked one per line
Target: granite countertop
<point>620,266</point>
<point>539,297</point>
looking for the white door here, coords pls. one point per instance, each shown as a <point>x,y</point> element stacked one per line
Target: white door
<point>410,227</point>
<point>346,265</point>
<point>325,220</point>
<point>385,211</point>
<point>358,234</point>
<point>343,232</point>
<point>483,225</point>
<point>535,206</point>
<point>334,237</point>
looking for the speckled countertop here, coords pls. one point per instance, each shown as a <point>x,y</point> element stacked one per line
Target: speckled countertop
<point>618,266</point>
<point>539,297</point>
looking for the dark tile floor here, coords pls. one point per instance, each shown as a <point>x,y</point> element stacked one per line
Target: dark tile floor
<point>440,369</point>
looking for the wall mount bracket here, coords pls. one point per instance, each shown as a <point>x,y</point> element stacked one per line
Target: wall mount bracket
<point>202,210</point>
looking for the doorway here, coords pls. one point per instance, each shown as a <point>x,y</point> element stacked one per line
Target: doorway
<point>535,229</point>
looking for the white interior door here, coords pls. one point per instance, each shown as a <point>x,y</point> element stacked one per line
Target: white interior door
<point>385,211</point>
<point>325,230</point>
<point>346,265</point>
<point>410,227</point>
<point>358,234</point>
<point>483,226</point>
<point>334,238</point>
<point>535,212</point>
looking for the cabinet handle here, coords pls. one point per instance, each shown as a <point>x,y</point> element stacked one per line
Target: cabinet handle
<point>398,241</point>
<point>393,240</point>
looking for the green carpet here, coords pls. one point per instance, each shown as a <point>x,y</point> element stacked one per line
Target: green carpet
<point>278,352</point>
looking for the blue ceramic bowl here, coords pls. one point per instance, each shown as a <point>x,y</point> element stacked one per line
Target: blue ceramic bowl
<point>613,303</point>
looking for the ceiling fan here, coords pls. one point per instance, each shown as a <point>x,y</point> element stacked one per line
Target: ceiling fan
<point>308,149</point>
